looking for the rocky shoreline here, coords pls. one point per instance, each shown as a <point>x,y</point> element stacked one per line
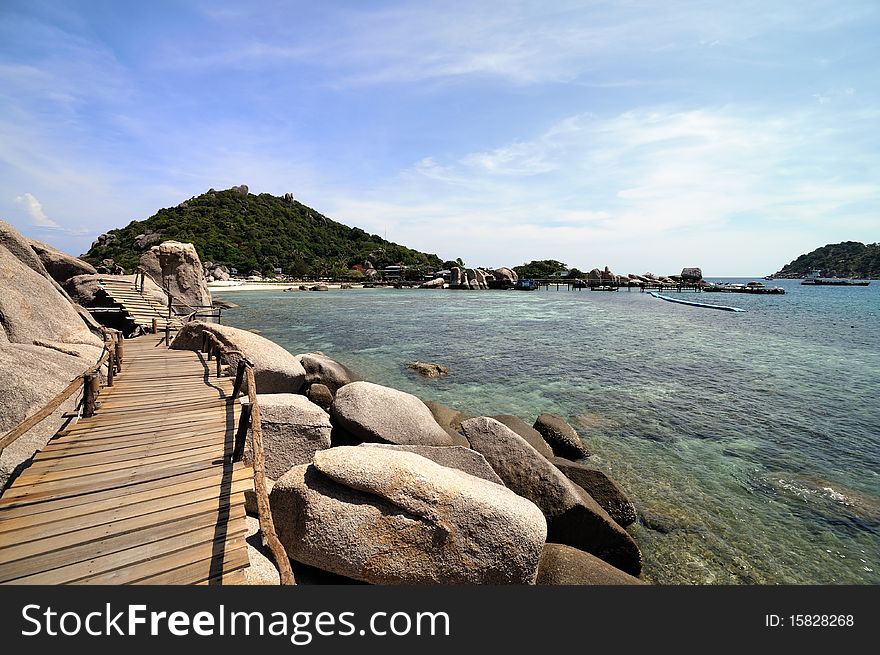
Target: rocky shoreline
<point>374,485</point>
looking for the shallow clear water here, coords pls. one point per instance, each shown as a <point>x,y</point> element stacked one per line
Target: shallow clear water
<point>749,442</point>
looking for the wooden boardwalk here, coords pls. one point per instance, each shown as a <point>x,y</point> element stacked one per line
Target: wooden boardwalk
<point>141,492</point>
<point>140,308</point>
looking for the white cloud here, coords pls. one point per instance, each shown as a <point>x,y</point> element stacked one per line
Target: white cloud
<point>34,209</point>
<point>656,189</point>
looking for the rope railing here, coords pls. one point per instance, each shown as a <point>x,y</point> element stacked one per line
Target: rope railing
<point>251,414</point>
<point>111,354</point>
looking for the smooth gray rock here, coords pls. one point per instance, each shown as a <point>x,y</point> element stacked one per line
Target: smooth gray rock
<point>456,457</point>
<point>320,395</point>
<point>573,517</point>
<point>564,565</point>
<point>275,369</point>
<point>372,412</point>
<point>327,371</point>
<point>436,283</point>
<point>60,265</point>
<point>527,432</point>
<point>33,309</point>
<point>389,517</point>
<point>20,248</point>
<point>428,369</point>
<point>506,274</point>
<point>561,437</point>
<point>601,488</point>
<point>176,266</point>
<point>294,429</point>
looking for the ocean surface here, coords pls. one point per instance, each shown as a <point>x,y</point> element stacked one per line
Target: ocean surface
<point>749,442</point>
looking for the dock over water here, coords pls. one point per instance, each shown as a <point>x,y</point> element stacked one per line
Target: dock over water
<point>143,491</point>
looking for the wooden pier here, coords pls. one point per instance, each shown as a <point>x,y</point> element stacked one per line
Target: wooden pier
<point>608,285</point>
<point>143,491</point>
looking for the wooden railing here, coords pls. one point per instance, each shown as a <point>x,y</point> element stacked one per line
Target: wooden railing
<point>196,311</point>
<point>89,380</point>
<point>251,415</point>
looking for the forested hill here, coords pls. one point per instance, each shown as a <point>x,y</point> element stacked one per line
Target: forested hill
<point>846,259</point>
<point>256,232</point>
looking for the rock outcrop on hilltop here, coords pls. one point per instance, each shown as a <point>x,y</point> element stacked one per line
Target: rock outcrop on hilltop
<point>44,344</point>
<point>176,266</point>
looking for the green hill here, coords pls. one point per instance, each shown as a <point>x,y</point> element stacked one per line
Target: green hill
<point>846,259</point>
<point>256,232</point>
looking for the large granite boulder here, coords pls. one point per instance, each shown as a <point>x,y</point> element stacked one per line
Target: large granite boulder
<point>455,277</point>
<point>275,369</point>
<point>372,412</point>
<point>573,517</point>
<point>507,275</point>
<point>436,283</point>
<point>527,432</point>
<point>176,267</point>
<point>564,565</point>
<point>59,265</point>
<point>321,369</point>
<point>601,488</point>
<point>561,437</point>
<point>455,457</point>
<point>294,429</point>
<point>390,517</point>
<point>33,310</point>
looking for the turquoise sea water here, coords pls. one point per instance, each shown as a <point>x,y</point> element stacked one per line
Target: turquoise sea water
<point>749,442</point>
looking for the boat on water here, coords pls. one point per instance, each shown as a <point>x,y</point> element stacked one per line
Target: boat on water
<point>526,285</point>
<point>815,277</point>
<point>695,304</point>
<point>751,287</point>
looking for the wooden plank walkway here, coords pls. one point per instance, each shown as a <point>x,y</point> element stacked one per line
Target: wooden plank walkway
<point>141,308</point>
<point>141,492</point>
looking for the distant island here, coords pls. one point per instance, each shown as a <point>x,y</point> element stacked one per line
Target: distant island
<point>846,259</point>
<point>258,233</point>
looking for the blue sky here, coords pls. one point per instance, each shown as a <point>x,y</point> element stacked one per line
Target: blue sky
<point>645,136</point>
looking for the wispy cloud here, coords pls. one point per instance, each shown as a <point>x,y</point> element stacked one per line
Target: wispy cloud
<point>34,209</point>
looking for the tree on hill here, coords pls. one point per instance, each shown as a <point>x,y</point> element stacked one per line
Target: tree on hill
<point>256,232</point>
<point>845,259</point>
<point>540,268</point>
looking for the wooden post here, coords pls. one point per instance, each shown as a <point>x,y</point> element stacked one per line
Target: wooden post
<point>111,368</point>
<point>119,352</point>
<point>244,422</point>
<point>217,357</point>
<point>90,394</point>
<point>167,334</point>
<point>239,378</point>
<point>155,326</point>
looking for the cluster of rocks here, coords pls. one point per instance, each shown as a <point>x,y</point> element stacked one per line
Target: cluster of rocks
<point>608,277</point>
<point>216,272</point>
<point>46,340</point>
<point>375,485</point>
<point>478,278</point>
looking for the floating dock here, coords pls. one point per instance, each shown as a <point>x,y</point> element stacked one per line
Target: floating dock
<point>695,304</point>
